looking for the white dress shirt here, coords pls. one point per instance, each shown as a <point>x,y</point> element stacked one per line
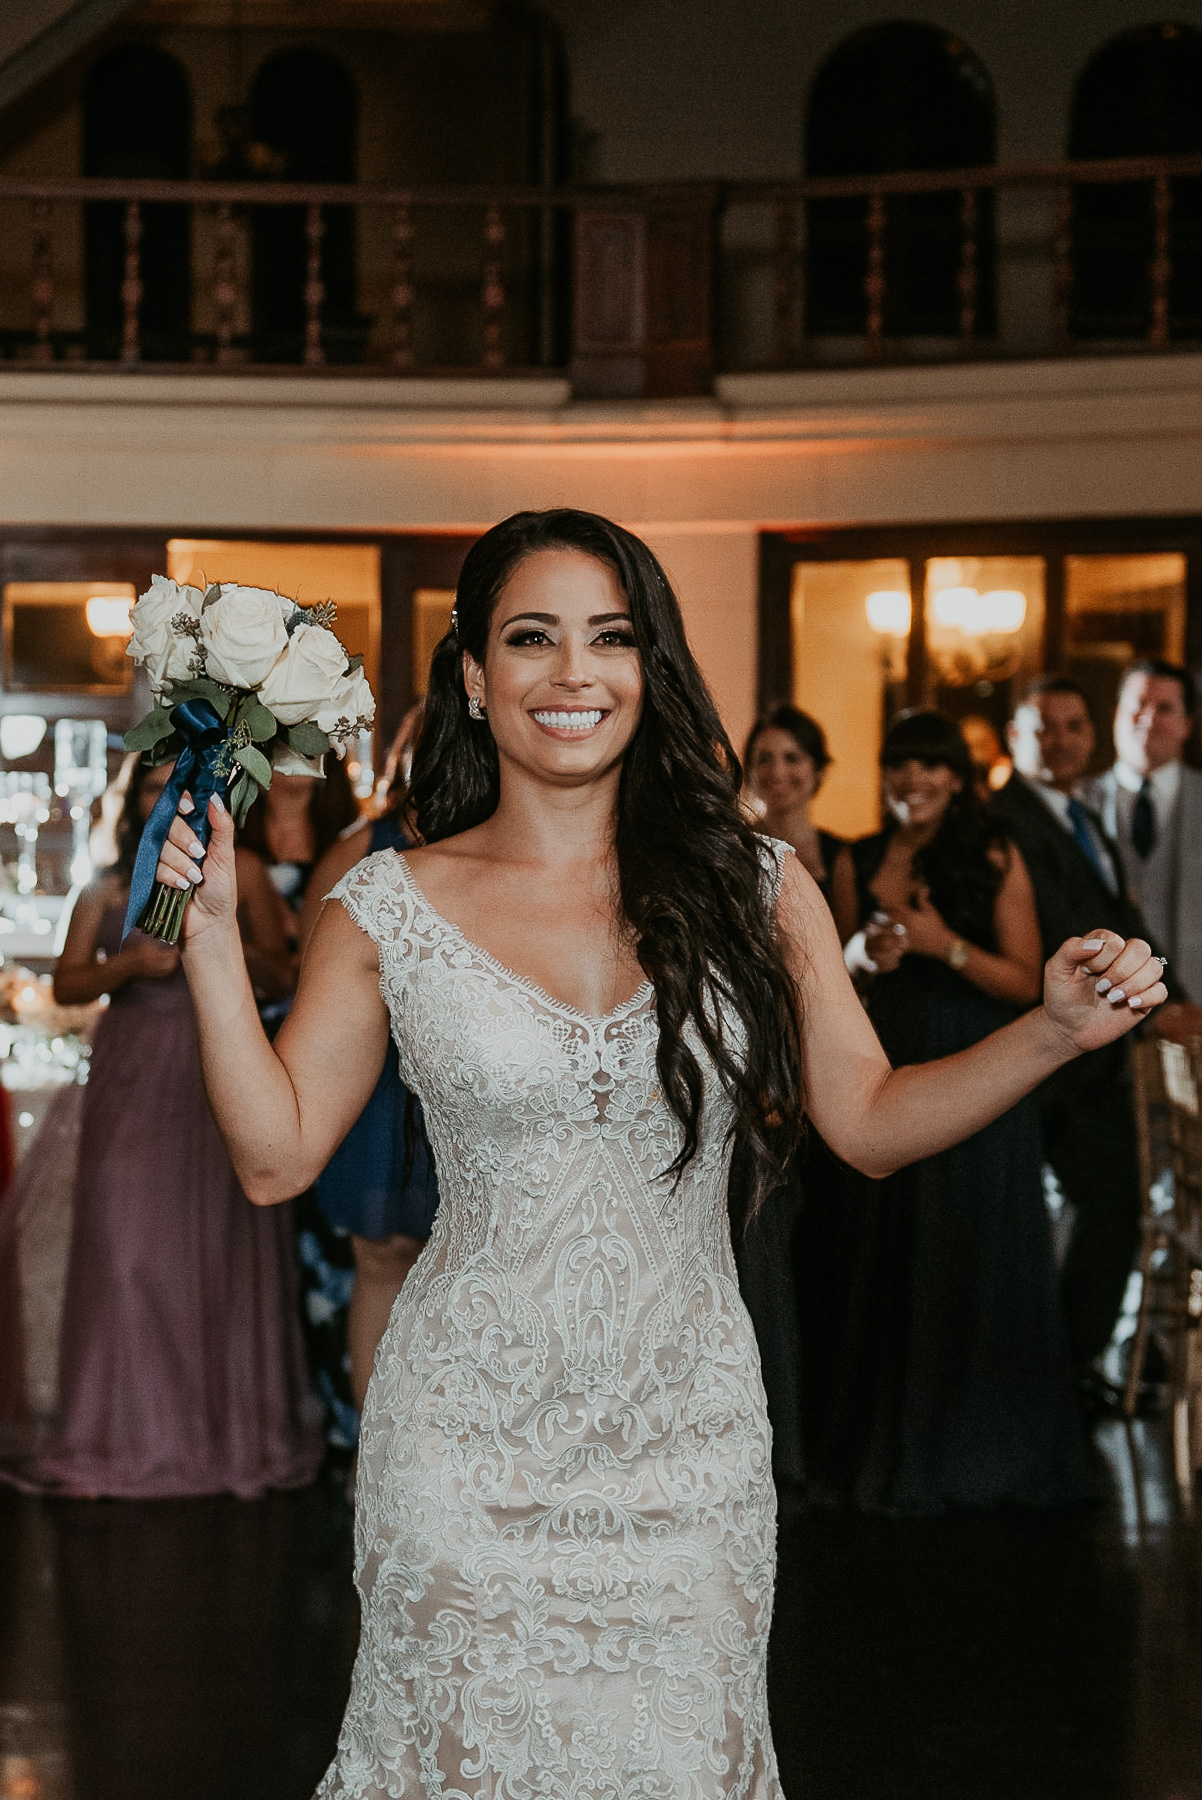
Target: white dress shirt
<point>1152,879</point>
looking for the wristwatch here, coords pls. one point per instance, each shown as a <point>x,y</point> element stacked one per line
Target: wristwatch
<point>956,954</point>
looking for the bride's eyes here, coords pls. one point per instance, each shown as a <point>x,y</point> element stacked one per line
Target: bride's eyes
<point>614,637</point>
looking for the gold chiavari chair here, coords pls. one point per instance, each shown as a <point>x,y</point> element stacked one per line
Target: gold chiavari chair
<point>1168,1112</point>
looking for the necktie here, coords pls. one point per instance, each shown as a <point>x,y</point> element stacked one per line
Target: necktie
<point>1079,820</point>
<point>1143,822</point>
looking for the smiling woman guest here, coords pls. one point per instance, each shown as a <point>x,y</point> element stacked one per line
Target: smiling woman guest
<point>595,973</point>
<point>785,760</point>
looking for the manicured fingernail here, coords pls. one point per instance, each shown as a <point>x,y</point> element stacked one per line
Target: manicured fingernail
<point>1136,1000</point>
<point>218,802</point>
<point>196,850</point>
<point>186,805</point>
<point>181,881</point>
<point>1115,995</point>
<point>1100,987</point>
<point>1093,944</point>
<point>194,875</point>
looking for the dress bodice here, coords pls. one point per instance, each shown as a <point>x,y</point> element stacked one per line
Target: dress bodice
<point>525,1097</point>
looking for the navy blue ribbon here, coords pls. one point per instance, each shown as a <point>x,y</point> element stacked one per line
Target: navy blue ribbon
<point>203,731</point>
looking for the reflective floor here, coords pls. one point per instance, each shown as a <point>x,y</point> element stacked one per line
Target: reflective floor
<point>200,1650</point>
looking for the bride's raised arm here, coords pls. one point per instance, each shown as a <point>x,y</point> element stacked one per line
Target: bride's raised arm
<point>877,1118</point>
<point>284,1108</point>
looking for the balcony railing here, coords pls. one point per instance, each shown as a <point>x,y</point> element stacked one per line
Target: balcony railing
<point>628,290</point>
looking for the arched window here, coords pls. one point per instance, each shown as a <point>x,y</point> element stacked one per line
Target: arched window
<point>137,124</point>
<point>305,109</point>
<point>891,97</point>
<point>1139,95</point>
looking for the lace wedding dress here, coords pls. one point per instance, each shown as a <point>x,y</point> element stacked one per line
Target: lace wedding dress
<point>565,1534</point>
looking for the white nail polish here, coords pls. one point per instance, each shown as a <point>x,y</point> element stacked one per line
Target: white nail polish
<point>1115,995</point>
<point>1092,945</point>
<point>1101,987</point>
<point>1136,1000</point>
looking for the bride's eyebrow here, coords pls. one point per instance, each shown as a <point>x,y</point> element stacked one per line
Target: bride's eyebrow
<point>537,618</point>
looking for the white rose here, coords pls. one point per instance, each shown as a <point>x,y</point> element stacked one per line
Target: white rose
<point>350,708</point>
<point>242,633</point>
<point>311,669</point>
<point>168,653</point>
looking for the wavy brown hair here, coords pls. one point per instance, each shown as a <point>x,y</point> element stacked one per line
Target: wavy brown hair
<point>690,868</point>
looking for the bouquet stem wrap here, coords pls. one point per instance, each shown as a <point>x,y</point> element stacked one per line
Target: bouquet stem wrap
<point>200,770</point>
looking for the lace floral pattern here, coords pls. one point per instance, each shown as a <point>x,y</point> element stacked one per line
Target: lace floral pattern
<point>566,1525</point>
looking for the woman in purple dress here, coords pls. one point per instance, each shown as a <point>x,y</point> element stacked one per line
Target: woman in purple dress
<point>181,1369</point>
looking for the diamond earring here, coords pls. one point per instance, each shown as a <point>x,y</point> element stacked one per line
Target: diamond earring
<point>475,710</point>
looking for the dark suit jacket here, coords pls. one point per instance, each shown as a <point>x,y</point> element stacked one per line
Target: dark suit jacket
<point>1070,898</point>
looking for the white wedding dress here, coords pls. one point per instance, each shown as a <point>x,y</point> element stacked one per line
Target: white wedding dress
<point>565,1535</point>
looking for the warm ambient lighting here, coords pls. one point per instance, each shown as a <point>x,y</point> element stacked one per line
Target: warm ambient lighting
<point>20,735</point>
<point>889,612</point>
<point>1000,611</point>
<point>108,616</point>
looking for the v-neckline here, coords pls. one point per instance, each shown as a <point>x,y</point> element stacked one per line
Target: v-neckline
<point>641,994</point>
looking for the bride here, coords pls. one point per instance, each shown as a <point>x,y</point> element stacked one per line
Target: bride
<point>595,974</point>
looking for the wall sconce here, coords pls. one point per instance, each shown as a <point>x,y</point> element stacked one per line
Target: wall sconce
<point>889,613</point>
<point>108,616</point>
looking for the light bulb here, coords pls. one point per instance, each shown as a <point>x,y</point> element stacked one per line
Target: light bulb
<point>889,612</point>
<point>1004,609</point>
<point>108,616</point>
<point>20,735</point>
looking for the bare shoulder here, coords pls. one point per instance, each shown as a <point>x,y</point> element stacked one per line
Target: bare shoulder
<point>801,911</point>
<point>341,857</point>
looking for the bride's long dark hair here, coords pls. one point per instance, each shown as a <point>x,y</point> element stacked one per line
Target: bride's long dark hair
<point>690,867</point>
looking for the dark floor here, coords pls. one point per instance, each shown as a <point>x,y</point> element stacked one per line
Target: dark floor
<point>200,1650</point>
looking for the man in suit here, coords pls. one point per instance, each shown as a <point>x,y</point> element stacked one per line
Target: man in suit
<point>1086,1108</point>
<point>1151,804</point>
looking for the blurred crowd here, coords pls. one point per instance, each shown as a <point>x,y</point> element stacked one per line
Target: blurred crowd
<point>924,1343</point>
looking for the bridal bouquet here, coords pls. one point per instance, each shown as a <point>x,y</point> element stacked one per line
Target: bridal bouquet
<point>245,682</point>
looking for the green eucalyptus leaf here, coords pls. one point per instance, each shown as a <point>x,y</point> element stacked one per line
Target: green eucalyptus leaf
<point>353,664</point>
<point>255,764</point>
<point>150,730</point>
<point>307,740</point>
<point>242,797</point>
<point>165,751</point>
<point>201,688</point>
<point>259,720</point>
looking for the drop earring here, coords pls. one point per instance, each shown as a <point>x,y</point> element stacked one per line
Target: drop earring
<point>475,710</point>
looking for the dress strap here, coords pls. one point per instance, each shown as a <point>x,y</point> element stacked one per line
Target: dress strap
<point>773,853</point>
<point>373,896</point>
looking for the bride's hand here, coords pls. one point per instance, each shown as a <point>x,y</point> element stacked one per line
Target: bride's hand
<point>184,863</point>
<point>1098,987</point>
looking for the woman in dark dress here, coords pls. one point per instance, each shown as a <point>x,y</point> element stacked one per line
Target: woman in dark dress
<point>784,1257</point>
<point>784,763</point>
<point>954,1385</point>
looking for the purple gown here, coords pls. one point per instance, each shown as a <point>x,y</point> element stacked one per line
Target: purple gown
<point>181,1367</point>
